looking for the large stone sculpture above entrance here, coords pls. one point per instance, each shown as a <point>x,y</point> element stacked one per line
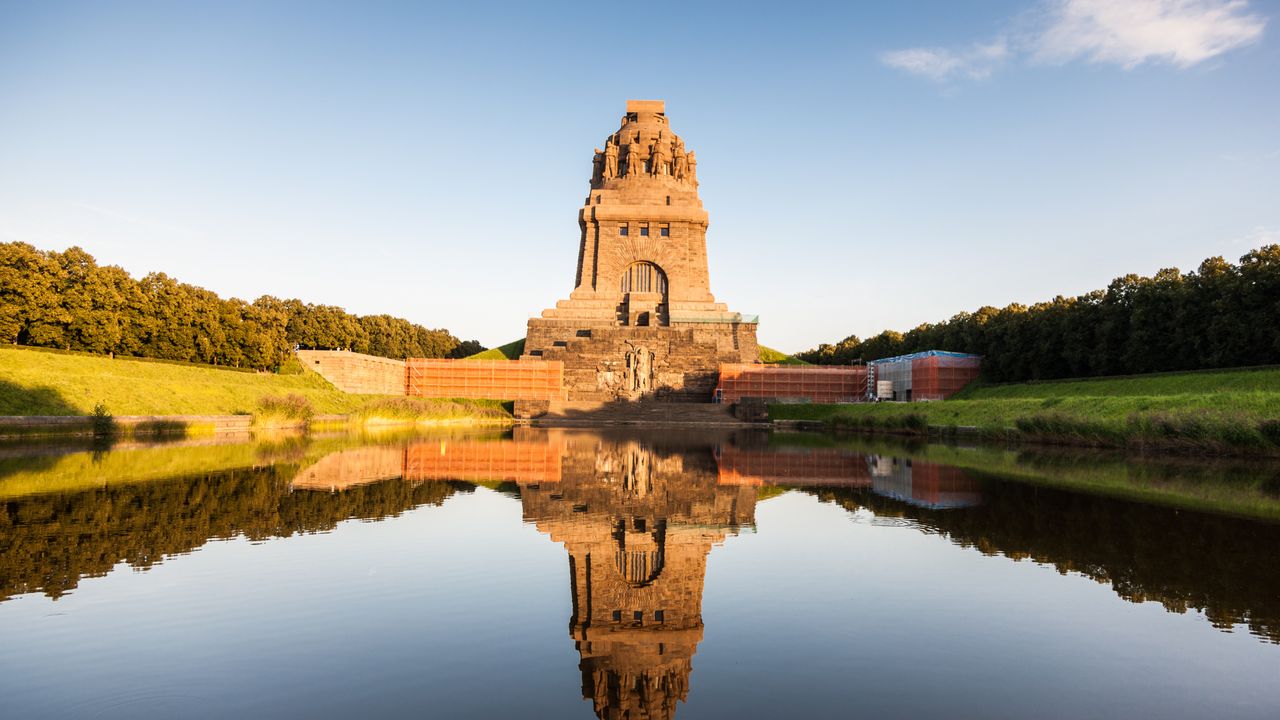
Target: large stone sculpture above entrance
<point>641,322</point>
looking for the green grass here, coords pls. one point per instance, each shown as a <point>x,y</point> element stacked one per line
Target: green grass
<point>1233,411</point>
<point>769,356</point>
<point>1266,380</point>
<point>510,351</point>
<point>43,383</point>
<point>415,409</point>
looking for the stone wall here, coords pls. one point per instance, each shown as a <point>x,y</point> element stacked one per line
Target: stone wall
<point>355,373</point>
<point>675,363</point>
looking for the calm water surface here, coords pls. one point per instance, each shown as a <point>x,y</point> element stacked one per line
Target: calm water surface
<point>572,574</point>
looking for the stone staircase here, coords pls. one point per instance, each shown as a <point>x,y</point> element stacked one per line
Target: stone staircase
<point>589,413</point>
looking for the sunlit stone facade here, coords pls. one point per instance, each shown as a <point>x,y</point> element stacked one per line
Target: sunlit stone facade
<point>641,322</point>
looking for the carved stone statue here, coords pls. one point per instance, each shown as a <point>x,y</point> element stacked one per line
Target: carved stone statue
<point>639,370</point>
<point>610,160</point>
<point>680,168</point>
<point>597,167</point>
<point>693,169</point>
<point>658,158</point>
<point>635,163</point>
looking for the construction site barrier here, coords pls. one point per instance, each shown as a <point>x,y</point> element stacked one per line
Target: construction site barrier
<point>940,376</point>
<point>792,382</point>
<point>485,379</point>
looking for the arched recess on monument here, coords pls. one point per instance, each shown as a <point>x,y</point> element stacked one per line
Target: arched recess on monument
<point>644,294</point>
<point>640,553</point>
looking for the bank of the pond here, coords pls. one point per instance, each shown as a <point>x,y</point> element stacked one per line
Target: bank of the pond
<point>47,393</point>
<point>74,466</point>
<point>1227,412</point>
<point>1232,486</point>
<point>141,427</point>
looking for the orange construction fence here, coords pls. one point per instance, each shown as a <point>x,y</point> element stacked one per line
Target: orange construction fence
<point>941,376</point>
<point>792,382</point>
<point>485,379</point>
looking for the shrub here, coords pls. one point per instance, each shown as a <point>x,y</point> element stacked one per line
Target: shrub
<point>102,420</point>
<point>290,366</point>
<point>415,408</point>
<point>1270,429</point>
<point>1056,426</point>
<point>291,407</point>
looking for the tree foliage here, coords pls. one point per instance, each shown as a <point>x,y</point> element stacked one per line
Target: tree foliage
<point>1220,315</point>
<point>66,300</point>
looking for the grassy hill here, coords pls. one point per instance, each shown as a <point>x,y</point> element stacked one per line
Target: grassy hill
<point>510,351</point>
<point>39,382</point>
<point>1226,410</point>
<point>769,356</point>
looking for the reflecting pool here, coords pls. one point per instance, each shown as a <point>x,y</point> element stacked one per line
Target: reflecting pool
<point>627,574</point>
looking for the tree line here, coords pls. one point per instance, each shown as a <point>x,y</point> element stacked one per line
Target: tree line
<point>53,540</point>
<point>67,300</point>
<point>1221,315</point>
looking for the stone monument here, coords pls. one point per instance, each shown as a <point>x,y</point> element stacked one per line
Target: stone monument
<point>641,322</point>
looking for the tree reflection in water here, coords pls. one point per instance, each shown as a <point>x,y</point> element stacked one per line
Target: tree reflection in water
<point>638,515</point>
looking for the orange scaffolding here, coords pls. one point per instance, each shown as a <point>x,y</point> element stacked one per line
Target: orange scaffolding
<point>485,379</point>
<point>938,377</point>
<point>792,382</point>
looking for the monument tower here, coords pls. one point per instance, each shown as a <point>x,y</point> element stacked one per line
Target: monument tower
<point>641,322</point>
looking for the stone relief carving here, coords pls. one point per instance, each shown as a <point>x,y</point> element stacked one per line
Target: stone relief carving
<point>610,160</point>
<point>639,377</point>
<point>665,155</point>
<point>658,158</point>
<point>635,164</point>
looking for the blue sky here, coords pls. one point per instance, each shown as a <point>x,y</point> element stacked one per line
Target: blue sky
<point>866,166</point>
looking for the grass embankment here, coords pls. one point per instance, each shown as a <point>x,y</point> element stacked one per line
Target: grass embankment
<point>1212,411</point>
<point>510,351</point>
<point>769,356</point>
<point>38,382</point>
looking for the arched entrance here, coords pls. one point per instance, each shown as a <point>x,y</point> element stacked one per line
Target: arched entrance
<point>644,294</point>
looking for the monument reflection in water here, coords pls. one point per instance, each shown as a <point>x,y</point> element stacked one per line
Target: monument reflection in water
<point>638,517</point>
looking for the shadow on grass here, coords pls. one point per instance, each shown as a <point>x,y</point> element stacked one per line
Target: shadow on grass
<point>19,400</point>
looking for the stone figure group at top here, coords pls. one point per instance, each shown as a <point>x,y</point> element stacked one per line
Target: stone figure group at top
<point>663,157</point>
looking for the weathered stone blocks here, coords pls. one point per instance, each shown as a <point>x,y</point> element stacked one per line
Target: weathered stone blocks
<point>641,322</point>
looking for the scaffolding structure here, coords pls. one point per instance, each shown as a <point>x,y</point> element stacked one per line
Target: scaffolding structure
<point>485,379</point>
<point>928,375</point>
<point>805,383</point>
<point>938,377</point>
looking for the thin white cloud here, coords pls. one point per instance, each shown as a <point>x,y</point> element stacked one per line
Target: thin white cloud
<point>1260,235</point>
<point>1127,33</point>
<point>976,62</point>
